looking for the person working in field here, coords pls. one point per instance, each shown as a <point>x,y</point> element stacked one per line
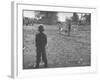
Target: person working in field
<point>41,42</point>
<point>69,27</point>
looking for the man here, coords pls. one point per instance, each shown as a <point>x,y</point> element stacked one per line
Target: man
<point>59,27</point>
<point>69,27</point>
<point>41,42</point>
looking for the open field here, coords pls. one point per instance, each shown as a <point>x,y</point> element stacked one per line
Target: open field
<point>62,50</point>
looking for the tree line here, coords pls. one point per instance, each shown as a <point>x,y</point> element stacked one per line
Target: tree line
<point>51,18</point>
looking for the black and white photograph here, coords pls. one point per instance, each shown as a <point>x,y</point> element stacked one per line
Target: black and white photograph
<point>55,39</point>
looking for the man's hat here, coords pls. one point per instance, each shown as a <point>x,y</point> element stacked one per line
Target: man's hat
<point>41,28</point>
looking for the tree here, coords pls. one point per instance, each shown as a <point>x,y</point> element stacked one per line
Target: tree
<point>48,17</point>
<point>75,18</point>
<point>25,20</point>
<point>88,18</point>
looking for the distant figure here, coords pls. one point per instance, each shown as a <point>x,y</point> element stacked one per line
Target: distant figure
<point>59,27</point>
<point>69,28</point>
<point>41,42</point>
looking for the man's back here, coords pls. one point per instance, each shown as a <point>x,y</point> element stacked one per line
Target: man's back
<point>41,40</point>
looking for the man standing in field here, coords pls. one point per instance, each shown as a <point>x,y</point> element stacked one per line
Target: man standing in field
<point>41,42</point>
<point>69,27</point>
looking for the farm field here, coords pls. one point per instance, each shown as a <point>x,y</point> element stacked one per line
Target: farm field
<point>62,50</point>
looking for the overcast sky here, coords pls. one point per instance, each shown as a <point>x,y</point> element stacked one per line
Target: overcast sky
<point>61,15</point>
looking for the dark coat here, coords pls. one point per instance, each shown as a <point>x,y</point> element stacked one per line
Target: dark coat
<point>41,40</point>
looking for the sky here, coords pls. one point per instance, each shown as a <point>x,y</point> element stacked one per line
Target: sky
<point>29,14</point>
<point>61,15</point>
